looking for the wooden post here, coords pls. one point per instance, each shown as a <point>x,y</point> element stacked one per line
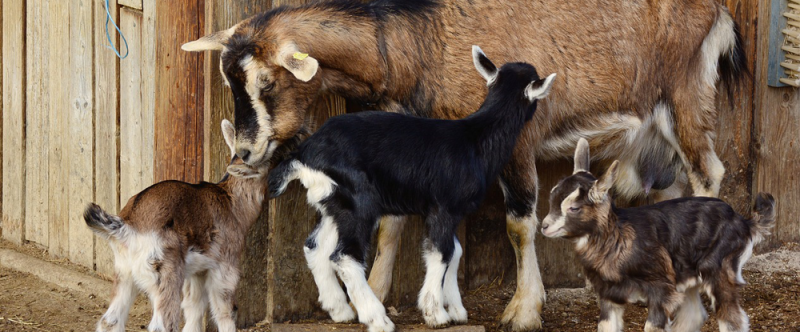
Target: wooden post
<point>776,144</point>
<point>14,31</point>
<point>179,91</point>
<point>81,140</point>
<point>58,129</point>
<point>36,125</point>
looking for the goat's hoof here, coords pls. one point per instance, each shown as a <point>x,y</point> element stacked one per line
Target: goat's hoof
<point>106,325</point>
<point>458,315</point>
<point>381,324</point>
<point>343,314</point>
<point>522,315</point>
<point>436,318</point>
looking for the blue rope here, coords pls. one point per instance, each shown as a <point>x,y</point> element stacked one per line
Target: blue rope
<point>108,36</point>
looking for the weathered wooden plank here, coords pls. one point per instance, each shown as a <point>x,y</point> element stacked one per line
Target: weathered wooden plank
<point>135,4</point>
<point>132,142</point>
<point>219,105</point>
<point>777,22</point>
<point>14,64</point>
<point>148,92</point>
<point>59,131</point>
<point>106,131</point>
<point>1,121</point>
<point>776,144</point>
<point>292,292</point>
<point>81,176</point>
<point>179,92</point>
<point>36,127</point>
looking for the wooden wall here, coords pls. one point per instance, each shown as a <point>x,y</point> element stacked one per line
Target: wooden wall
<point>81,125</point>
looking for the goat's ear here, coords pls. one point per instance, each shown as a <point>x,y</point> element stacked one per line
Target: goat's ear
<point>599,191</point>
<point>582,157</point>
<point>213,42</point>
<point>242,171</point>
<point>540,88</point>
<point>229,134</point>
<point>485,67</point>
<point>300,64</point>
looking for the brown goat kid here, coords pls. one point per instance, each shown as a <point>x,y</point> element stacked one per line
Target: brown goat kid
<point>664,254</point>
<point>639,82</point>
<point>176,235</point>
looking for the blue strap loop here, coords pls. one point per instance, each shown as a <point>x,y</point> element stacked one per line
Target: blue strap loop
<point>108,36</point>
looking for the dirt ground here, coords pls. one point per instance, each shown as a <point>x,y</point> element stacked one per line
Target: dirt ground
<point>771,299</point>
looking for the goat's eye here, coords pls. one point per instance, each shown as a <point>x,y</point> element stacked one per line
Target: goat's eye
<point>574,209</point>
<point>269,87</point>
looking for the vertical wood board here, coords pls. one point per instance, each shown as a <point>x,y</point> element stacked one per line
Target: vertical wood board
<point>36,126</point>
<point>14,64</point>
<point>81,107</point>
<point>132,141</point>
<point>106,140</point>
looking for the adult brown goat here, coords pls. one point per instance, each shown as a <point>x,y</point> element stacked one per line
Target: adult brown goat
<point>639,82</point>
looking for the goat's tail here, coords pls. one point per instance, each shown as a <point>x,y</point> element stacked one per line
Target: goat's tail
<point>101,222</point>
<point>280,176</point>
<point>732,63</point>
<point>763,216</point>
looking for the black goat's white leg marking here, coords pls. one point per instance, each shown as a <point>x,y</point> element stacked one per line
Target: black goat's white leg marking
<point>452,297</point>
<point>431,297</point>
<point>524,310</point>
<point>389,234</point>
<point>117,314</point>
<point>195,303</point>
<point>610,317</point>
<point>221,286</point>
<point>691,314</point>
<point>370,311</point>
<point>318,250</point>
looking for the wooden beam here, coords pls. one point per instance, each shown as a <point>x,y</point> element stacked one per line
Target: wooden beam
<point>776,143</point>
<point>14,64</point>
<point>81,116</point>
<point>59,131</point>
<point>36,125</point>
<point>252,288</point>
<point>179,92</point>
<point>106,128</point>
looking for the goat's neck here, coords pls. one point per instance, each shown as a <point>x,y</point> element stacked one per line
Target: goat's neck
<point>607,246</point>
<point>247,199</point>
<point>497,129</point>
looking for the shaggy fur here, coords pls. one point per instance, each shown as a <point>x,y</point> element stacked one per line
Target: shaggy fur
<point>663,254</point>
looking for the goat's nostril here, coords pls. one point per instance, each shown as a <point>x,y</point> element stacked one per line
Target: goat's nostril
<point>243,153</point>
<point>544,226</point>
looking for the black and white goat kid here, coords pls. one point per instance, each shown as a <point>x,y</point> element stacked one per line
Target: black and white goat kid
<point>359,167</point>
<point>663,254</point>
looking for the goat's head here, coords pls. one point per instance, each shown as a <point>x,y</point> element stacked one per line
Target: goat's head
<point>513,76</point>
<point>273,83</point>
<point>237,168</point>
<point>579,203</point>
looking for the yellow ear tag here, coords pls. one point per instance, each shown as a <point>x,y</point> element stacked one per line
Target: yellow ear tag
<point>300,56</point>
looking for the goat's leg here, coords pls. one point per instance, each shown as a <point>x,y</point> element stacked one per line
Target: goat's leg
<point>730,315</point>
<point>221,287</point>
<point>318,249</point>
<point>691,315</point>
<point>452,296</point>
<point>380,276</point>
<point>520,186</point>
<point>166,297</point>
<point>438,251</point>
<point>195,303</point>
<point>662,303</point>
<point>695,118</point>
<point>117,314</point>
<point>350,266</point>
<point>610,316</point>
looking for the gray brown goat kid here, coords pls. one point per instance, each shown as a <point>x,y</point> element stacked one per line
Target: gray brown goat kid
<point>664,254</point>
<point>175,235</point>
